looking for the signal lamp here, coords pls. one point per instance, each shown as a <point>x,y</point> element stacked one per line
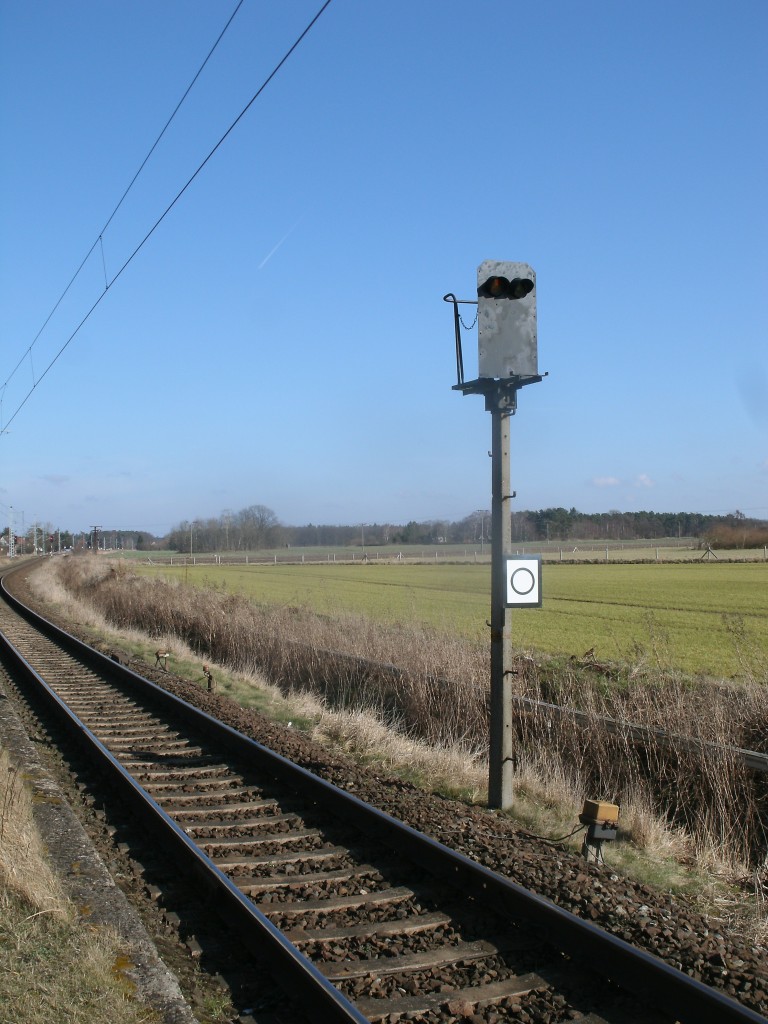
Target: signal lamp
<point>502,288</point>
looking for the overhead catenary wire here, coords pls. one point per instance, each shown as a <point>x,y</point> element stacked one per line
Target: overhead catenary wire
<point>99,240</point>
<point>161,218</point>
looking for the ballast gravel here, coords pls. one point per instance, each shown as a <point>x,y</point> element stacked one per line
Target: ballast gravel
<point>652,920</point>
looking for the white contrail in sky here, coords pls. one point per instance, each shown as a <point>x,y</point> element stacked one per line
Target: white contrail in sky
<point>272,251</point>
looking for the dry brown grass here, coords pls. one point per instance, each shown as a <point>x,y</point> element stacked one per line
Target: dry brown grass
<point>53,965</point>
<point>699,802</point>
<point>23,864</point>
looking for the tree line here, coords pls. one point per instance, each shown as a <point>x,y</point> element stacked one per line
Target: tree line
<point>258,527</point>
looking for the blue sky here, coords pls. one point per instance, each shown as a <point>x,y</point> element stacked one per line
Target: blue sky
<point>281,337</point>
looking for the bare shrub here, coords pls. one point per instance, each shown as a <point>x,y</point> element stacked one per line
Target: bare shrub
<point>684,762</point>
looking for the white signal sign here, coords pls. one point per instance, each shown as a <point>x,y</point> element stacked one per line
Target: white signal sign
<point>524,581</point>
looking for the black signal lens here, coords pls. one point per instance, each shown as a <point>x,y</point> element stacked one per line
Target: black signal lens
<point>501,288</point>
<point>519,287</point>
<point>494,288</point>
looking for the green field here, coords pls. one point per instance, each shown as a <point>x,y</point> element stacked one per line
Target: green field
<point>685,615</point>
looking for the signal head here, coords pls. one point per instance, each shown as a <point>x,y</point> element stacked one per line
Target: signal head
<point>506,316</point>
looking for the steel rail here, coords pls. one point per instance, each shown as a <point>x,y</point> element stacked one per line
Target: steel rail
<point>261,936</point>
<point>645,975</point>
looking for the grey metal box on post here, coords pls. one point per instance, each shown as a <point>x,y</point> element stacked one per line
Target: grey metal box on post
<point>506,320</point>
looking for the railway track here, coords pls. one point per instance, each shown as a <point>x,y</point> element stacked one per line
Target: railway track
<point>360,917</point>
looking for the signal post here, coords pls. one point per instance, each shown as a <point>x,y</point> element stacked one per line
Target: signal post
<point>507,361</point>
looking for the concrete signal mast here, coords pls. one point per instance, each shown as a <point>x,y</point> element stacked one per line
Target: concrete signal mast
<point>507,362</point>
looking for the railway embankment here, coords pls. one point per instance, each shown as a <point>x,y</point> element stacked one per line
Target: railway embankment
<point>699,945</point>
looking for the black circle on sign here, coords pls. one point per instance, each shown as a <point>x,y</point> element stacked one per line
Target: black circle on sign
<point>528,578</point>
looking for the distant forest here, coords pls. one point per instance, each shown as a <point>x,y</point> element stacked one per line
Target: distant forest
<point>258,527</point>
